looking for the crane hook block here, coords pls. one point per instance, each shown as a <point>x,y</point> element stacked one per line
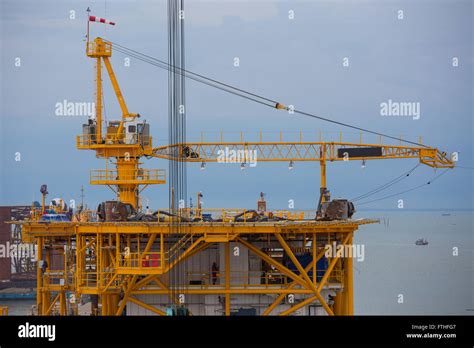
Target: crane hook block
<point>280,106</point>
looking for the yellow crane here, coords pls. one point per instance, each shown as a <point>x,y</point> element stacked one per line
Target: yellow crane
<point>125,140</point>
<point>304,151</point>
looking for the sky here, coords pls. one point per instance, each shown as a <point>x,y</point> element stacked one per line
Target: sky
<point>298,61</point>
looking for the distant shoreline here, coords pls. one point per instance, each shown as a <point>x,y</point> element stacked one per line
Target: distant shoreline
<point>418,210</point>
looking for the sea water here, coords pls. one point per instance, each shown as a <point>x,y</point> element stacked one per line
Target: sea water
<point>399,277</point>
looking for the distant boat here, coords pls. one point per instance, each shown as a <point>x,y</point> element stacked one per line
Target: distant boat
<point>421,241</point>
<point>445,214</point>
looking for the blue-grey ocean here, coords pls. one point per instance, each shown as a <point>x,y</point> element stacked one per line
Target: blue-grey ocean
<point>431,278</point>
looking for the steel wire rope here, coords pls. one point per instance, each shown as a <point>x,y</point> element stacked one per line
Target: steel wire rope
<point>406,191</point>
<point>184,71</point>
<point>248,95</point>
<point>193,78</point>
<point>386,185</point>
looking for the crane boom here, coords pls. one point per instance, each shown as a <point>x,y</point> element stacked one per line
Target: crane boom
<point>118,93</point>
<point>300,151</point>
<point>284,151</point>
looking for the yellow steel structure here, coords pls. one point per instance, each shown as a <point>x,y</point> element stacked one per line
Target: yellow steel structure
<point>128,175</point>
<point>304,151</point>
<point>118,261</point>
<point>111,260</point>
<point>278,151</point>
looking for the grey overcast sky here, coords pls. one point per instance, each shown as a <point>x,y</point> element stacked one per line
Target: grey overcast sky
<point>298,61</point>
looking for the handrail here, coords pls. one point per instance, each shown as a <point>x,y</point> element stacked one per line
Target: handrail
<point>141,174</point>
<point>86,140</point>
<point>92,48</point>
<point>260,277</point>
<point>150,259</point>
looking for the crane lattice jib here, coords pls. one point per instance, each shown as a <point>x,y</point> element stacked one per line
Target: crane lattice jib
<point>301,151</point>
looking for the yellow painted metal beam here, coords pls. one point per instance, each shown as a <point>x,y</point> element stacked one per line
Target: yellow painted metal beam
<point>110,282</point>
<point>302,304</point>
<point>227,278</point>
<point>145,281</point>
<point>184,255</point>
<point>222,291</point>
<point>273,262</point>
<point>146,306</point>
<point>48,311</point>
<point>320,286</point>
<point>303,273</point>
<point>70,229</point>
<point>98,105</point>
<point>39,275</point>
<point>292,285</point>
<point>118,94</point>
<point>285,151</point>
<point>134,278</point>
<point>348,283</point>
<point>331,266</point>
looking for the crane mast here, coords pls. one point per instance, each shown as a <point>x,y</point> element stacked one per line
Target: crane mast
<point>125,140</point>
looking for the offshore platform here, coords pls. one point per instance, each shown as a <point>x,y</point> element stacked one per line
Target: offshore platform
<point>188,260</point>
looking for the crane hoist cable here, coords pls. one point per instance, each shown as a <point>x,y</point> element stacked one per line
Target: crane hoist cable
<point>406,191</point>
<point>188,73</point>
<point>359,128</point>
<point>386,185</point>
<point>211,84</point>
<point>241,92</point>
